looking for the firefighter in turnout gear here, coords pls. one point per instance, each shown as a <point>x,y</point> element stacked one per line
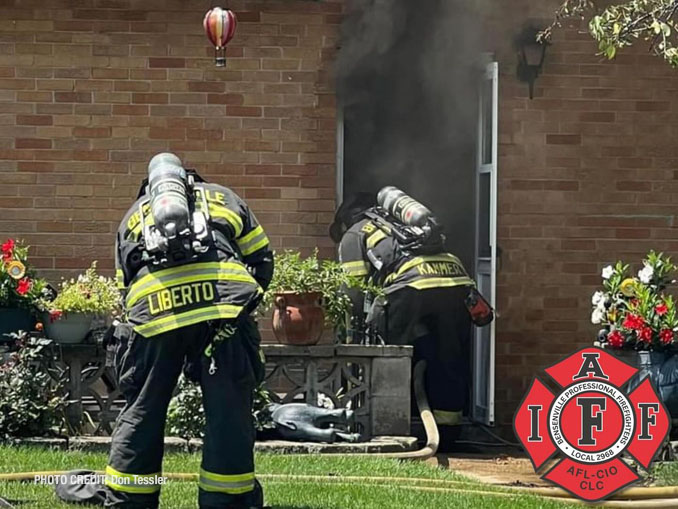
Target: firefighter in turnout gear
<point>425,291</point>
<point>189,286</point>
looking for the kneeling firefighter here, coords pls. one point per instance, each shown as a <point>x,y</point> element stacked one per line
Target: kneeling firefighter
<point>429,299</point>
<point>192,262</point>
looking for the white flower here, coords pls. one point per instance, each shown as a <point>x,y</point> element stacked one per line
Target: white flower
<point>646,274</point>
<point>597,297</point>
<point>325,401</point>
<point>607,272</point>
<point>597,316</point>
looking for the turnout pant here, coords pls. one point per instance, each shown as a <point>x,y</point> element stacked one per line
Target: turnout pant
<point>436,322</point>
<point>148,370</point>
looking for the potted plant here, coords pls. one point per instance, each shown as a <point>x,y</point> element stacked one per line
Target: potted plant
<point>19,288</point>
<point>306,295</point>
<point>639,321</point>
<point>68,318</point>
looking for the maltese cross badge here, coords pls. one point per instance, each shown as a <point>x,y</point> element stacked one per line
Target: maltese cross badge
<point>591,424</point>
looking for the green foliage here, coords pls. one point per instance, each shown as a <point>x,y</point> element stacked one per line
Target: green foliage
<point>622,24</point>
<point>89,293</point>
<point>186,416</point>
<point>30,401</point>
<point>18,285</point>
<point>301,275</point>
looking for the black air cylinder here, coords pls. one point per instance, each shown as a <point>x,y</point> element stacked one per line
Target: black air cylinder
<point>169,201</point>
<point>403,207</point>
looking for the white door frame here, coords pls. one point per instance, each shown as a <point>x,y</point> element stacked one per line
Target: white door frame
<point>483,387</point>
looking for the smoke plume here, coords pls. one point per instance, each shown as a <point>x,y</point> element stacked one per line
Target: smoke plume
<point>407,79</point>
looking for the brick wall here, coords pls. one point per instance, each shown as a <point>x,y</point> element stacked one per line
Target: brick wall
<point>587,175</point>
<point>91,89</point>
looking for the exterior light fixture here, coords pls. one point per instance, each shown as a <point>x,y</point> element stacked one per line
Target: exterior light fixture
<point>531,55</point>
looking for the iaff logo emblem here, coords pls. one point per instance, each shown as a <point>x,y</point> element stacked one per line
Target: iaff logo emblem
<point>591,422</point>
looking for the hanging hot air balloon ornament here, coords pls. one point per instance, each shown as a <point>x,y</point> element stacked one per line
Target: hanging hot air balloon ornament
<point>220,27</point>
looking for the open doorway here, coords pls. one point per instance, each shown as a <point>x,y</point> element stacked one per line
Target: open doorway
<point>453,172</point>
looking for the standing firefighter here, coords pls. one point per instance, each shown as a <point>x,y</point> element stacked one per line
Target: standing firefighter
<point>192,262</point>
<point>397,245</point>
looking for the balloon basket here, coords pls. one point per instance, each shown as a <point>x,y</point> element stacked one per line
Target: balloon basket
<point>220,57</point>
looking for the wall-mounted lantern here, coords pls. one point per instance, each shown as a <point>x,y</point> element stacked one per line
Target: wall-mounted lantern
<point>531,55</point>
<point>219,27</point>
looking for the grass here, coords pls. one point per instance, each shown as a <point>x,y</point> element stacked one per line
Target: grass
<point>280,493</point>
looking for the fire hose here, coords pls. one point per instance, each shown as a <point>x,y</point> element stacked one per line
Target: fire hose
<point>652,497</point>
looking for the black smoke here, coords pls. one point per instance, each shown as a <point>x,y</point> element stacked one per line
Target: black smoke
<point>407,80</point>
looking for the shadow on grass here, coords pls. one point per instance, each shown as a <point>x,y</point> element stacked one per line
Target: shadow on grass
<point>14,502</point>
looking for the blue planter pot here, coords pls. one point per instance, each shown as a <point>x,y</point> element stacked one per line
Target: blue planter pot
<point>662,369</point>
<point>71,328</point>
<point>13,320</point>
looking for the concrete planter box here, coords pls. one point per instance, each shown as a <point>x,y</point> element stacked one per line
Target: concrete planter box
<point>374,381</point>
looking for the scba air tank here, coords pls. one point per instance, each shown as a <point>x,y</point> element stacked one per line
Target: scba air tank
<point>169,200</point>
<point>403,207</point>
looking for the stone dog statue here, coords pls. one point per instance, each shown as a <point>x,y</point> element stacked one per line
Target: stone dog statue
<point>299,421</point>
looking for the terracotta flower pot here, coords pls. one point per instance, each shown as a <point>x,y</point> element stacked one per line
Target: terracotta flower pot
<point>298,318</point>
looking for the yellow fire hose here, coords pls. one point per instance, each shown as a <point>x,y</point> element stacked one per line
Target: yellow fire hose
<point>645,497</point>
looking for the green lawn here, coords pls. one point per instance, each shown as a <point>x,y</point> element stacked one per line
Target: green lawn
<point>283,493</point>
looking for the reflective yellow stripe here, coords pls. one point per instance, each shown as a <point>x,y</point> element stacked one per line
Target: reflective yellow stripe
<point>375,238</point>
<point>222,212</point>
<point>253,241</point>
<point>441,282</point>
<point>447,418</point>
<point>175,321</point>
<point>120,279</point>
<point>232,484</point>
<point>359,268</point>
<point>130,483</point>
<point>192,272</point>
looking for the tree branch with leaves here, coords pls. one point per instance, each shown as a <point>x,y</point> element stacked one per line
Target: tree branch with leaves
<point>624,24</point>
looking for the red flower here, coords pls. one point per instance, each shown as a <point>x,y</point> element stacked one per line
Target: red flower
<point>55,315</point>
<point>633,322</point>
<point>661,309</point>
<point>615,339</point>
<point>645,334</point>
<point>666,336</point>
<point>24,286</point>
<point>8,247</point>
